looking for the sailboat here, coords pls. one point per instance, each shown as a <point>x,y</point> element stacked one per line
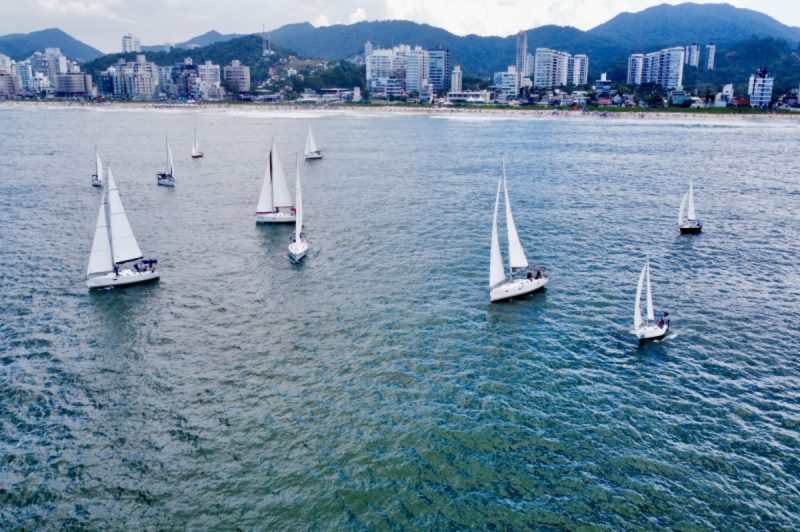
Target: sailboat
<point>649,329</point>
<point>167,178</point>
<point>299,245</point>
<point>196,153</point>
<point>116,259</point>
<point>97,176</point>
<point>505,287</point>
<point>275,203</point>
<point>690,225</point>
<point>311,147</point>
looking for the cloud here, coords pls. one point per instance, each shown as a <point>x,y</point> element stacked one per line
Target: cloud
<point>359,15</point>
<point>321,21</point>
<point>76,8</point>
<point>504,17</point>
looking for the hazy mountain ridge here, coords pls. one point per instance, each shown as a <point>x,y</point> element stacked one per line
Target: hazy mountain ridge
<point>22,45</point>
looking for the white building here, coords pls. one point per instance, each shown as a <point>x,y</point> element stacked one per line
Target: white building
<point>578,70</point>
<point>456,81</point>
<point>473,97</point>
<point>131,43</point>
<point>56,64</point>
<point>635,65</point>
<point>553,68</point>
<point>522,54</point>
<point>23,71</point>
<point>664,68</point>
<point>722,99</point>
<point>692,54</point>
<point>506,85</point>
<point>711,56</point>
<point>760,89</point>
<point>416,69</point>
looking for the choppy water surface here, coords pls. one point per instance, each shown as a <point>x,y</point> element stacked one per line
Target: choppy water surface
<point>374,386</point>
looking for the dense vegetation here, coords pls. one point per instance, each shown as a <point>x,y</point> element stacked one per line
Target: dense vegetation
<point>246,49</point>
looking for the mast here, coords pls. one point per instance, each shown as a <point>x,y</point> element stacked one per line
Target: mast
<point>298,226</point>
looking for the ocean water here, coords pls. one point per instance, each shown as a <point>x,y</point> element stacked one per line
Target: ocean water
<point>374,386</point>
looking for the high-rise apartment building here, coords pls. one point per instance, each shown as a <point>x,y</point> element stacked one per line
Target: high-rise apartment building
<point>439,70</point>
<point>506,84</point>
<point>131,43</point>
<point>522,53</point>
<point>416,69</point>
<point>664,68</point>
<point>711,56</point>
<point>456,80</point>
<point>635,65</point>
<point>238,75</point>
<point>692,54</point>
<point>760,89</point>
<point>550,68</point>
<point>578,70</point>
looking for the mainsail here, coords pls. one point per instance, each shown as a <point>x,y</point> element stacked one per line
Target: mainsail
<point>311,146</point>
<point>691,214</point>
<point>280,190</point>
<point>496,274</point>
<point>682,209</point>
<point>265,202</point>
<point>637,309</point>
<point>122,242</point>
<point>98,170</point>
<point>100,260</point>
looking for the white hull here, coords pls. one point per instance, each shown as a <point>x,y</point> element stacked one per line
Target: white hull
<point>651,332</point>
<point>96,183</point>
<point>275,217</point>
<point>297,251</point>
<point>312,156</point>
<point>125,278</point>
<point>516,288</point>
<point>166,183</point>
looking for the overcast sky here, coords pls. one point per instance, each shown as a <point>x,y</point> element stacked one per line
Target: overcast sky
<point>101,23</point>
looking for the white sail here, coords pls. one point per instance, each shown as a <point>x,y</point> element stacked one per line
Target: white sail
<point>280,190</point>
<point>516,256</point>
<point>496,274</point>
<point>298,226</point>
<point>265,201</point>
<point>682,209</point>
<point>170,164</point>
<point>98,170</point>
<point>637,309</point>
<point>123,243</point>
<point>311,146</point>
<point>690,215</point>
<point>100,260</point>
<point>650,314</point>
<point>195,146</point>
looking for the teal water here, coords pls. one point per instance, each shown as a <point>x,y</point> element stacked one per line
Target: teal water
<point>374,387</point>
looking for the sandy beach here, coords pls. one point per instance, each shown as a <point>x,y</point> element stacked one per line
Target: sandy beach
<point>404,109</point>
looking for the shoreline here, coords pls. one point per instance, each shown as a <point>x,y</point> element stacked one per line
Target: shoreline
<point>412,110</point>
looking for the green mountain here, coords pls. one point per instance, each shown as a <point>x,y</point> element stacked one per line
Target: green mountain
<point>22,45</point>
<point>668,25</point>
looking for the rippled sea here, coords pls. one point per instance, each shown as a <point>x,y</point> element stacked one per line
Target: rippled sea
<point>374,386</point>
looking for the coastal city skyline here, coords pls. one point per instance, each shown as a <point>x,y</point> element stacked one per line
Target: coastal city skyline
<point>100,22</point>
